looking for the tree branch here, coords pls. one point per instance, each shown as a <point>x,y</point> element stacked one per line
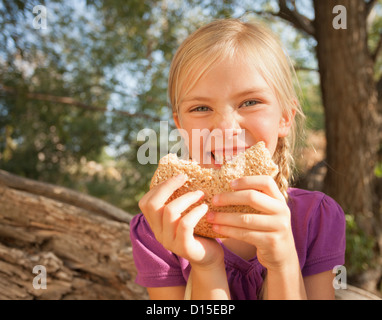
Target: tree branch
<point>293,16</point>
<point>379,91</point>
<point>374,55</point>
<point>65,195</point>
<point>369,6</point>
<point>74,102</point>
<point>298,20</point>
<point>302,68</point>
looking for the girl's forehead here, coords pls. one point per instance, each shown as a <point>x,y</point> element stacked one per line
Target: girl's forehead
<point>236,74</point>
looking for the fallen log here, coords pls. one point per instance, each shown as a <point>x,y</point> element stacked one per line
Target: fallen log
<point>354,293</point>
<point>83,246</point>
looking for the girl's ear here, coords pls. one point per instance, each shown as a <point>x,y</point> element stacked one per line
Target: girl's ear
<point>286,123</point>
<point>176,120</point>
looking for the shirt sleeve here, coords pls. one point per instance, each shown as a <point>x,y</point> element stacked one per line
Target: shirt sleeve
<point>156,266</point>
<point>326,238</point>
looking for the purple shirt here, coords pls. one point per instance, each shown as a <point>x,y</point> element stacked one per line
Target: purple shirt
<point>318,225</point>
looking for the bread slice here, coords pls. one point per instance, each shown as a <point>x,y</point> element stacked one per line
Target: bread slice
<point>254,161</point>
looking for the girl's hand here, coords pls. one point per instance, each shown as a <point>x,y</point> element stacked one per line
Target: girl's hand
<point>176,233</point>
<point>269,231</point>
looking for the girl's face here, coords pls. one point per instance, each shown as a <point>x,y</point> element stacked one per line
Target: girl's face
<point>237,107</point>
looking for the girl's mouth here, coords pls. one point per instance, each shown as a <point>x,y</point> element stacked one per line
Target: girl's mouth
<point>219,157</point>
<point>216,160</point>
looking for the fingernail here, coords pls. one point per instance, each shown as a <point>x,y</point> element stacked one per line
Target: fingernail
<point>205,206</point>
<point>234,183</point>
<point>182,177</point>
<point>210,216</point>
<point>215,199</point>
<point>200,193</point>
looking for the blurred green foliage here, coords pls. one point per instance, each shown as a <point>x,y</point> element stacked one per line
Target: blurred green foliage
<point>74,96</point>
<point>360,255</point>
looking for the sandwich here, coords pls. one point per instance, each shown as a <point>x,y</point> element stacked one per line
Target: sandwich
<point>256,160</point>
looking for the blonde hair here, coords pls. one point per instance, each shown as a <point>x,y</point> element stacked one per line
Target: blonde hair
<point>252,43</point>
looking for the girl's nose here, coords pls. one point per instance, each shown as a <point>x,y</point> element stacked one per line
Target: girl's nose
<point>228,122</point>
<point>228,134</point>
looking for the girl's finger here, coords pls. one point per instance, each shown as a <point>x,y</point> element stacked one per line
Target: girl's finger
<point>256,199</point>
<point>173,211</point>
<point>153,202</point>
<point>250,236</point>
<point>161,192</point>
<point>265,184</point>
<point>253,221</point>
<point>187,224</point>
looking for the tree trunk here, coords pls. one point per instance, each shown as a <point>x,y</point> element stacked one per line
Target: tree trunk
<point>83,244</point>
<point>351,118</point>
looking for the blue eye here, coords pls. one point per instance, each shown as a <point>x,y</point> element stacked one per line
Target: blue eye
<point>250,103</point>
<point>200,109</point>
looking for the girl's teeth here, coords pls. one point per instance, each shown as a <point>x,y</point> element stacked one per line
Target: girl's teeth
<point>228,158</point>
<point>219,159</point>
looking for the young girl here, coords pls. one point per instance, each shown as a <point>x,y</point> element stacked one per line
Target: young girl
<point>234,76</point>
